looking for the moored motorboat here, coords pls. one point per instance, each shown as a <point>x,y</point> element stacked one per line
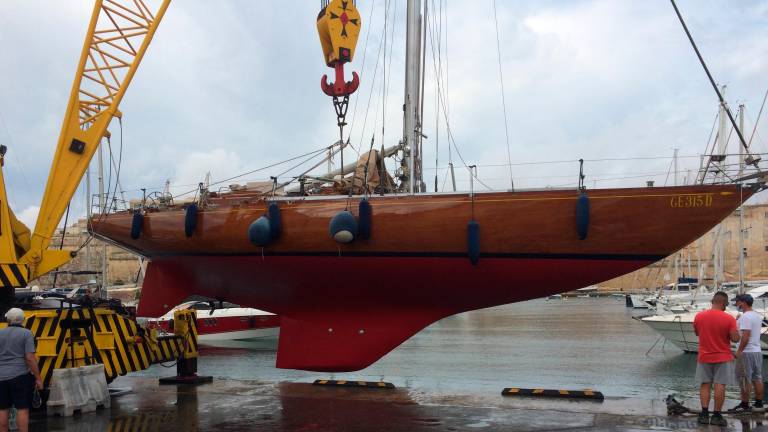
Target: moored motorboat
<point>219,322</point>
<point>677,328</point>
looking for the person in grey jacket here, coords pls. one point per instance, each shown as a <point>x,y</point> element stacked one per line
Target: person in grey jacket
<point>19,374</point>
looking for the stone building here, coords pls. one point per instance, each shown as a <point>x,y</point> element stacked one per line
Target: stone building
<point>122,266</point>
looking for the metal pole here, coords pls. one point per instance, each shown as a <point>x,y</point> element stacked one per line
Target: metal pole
<point>101,179</point>
<point>741,209</point>
<point>88,214</point>
<point>674,158</point>
<point>742,155</point>
<point>722,141</point>
<point>423,22</point>
<point>103,210</point>
<point>412,77</point>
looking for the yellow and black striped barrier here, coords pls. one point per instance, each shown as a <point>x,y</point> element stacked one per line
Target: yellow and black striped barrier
<point>547,393</point>
<point>74,337</point>
<point>361,384</point>
<point>13,275</point>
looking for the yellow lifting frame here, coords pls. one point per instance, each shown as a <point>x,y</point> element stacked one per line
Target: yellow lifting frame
<point>118,36</point>
<point>338,27</point>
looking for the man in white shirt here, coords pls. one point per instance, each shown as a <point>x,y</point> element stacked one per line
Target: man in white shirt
<point>749,358</point>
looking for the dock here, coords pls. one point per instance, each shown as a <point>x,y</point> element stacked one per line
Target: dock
<point>291,406</point>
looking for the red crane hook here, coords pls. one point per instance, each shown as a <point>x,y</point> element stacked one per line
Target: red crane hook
<point>340,87</point>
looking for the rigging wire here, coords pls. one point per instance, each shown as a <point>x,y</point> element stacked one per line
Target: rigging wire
<point>503,97</point>
<point>423,84</point>
<point>109,186</point>
<point>322,150</point>
<point>439,26</point>
<point>760,113</point>
<point>742,141</point>
<point>436,27</point>
<point>446,86</point>
<point>387,76</point>
<point>362,71</point>
<point>373,83</point>
<point>444,105</point>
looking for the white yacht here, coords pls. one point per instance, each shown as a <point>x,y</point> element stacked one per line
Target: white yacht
<point>677,328</point>
<point>640,301</point>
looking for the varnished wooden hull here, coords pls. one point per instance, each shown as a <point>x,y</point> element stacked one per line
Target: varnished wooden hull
<point>344,306</point>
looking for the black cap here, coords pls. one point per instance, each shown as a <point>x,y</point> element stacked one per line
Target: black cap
<point>746,298</point>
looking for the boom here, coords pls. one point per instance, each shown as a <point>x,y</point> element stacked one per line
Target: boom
<point>118,36</point>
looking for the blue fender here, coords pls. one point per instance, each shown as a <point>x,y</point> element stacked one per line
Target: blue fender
<point>136,224</point>
<point>343,227</point>
<point>473,241</point>
<point>190,220</point>
<point>365,215</point>
<point>582,215</point>
<point>276,225</point>
<point>260,231</point>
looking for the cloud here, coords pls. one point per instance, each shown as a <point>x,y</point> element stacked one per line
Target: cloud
<point>230,87</point>
<point>29,216</point>
<point>193,168</point>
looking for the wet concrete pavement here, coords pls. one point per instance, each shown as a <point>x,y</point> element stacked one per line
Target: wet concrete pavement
<point>236,405</point>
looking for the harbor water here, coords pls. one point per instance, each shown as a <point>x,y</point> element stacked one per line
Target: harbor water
<point>573,343</point>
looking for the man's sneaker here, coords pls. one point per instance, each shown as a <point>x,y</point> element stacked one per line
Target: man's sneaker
<point>758,407</point>
<point>703,418</point>
<point>741,408</point>
<point>717,420</point>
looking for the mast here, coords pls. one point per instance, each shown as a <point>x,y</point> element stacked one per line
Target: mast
<point>102,288</point>
<point>674,159</point>
<point>678,254</point>
<point>412,103</point>
<point>741,209</point>
<point>88,214</point>
<point>722,141</point>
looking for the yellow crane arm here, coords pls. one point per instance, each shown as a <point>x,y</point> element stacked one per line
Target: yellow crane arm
<point>118,36</point>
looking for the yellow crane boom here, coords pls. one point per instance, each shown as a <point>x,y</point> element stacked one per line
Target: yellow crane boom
<point>118,36</point>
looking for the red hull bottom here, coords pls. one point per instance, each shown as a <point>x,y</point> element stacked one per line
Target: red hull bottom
<point>344,313</point>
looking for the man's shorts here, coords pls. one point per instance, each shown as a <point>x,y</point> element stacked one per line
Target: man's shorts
<point>750,365</point>
<point>17,392</point>
<point>718,373</point>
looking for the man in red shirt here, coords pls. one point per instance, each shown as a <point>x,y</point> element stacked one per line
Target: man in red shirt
<point>716,330</point>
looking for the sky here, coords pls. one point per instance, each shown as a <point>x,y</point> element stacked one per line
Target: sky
<point>228,87</point>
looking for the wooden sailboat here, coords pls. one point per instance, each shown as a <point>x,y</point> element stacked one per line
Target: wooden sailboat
<point>352,277</point>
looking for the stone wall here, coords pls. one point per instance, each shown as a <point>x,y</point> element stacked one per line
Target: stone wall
<point>122,266</point>
<point>702,252</point>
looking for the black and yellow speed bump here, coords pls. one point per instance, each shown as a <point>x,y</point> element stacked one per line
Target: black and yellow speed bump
<point>362,384</point>
<point>559,394</point>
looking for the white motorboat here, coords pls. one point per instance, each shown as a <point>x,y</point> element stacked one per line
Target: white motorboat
<point>639,301</point>
<point>221,322</point>
<point>677,328</point>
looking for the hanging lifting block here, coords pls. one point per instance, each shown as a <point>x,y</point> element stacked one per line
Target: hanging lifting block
<point>338,26</point>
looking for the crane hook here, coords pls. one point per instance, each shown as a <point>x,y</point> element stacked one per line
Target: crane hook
<point>340,87</point>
